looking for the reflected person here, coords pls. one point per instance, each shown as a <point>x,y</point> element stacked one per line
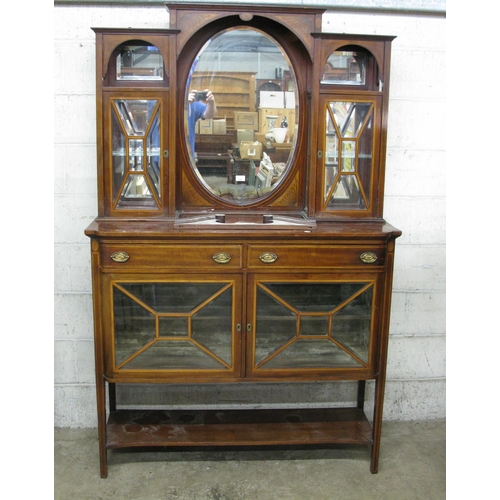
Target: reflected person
<point>201,105</point>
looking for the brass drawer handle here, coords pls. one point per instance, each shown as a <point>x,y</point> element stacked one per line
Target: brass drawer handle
<point>268,257</point>
<point>120,256</point>
<point>222,258</point>
<point>368,257</point>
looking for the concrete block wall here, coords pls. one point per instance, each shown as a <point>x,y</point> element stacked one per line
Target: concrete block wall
<point>415,203</point>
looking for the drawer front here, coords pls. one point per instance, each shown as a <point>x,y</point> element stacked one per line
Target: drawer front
<point>314,256</point>
<point>185,257</point>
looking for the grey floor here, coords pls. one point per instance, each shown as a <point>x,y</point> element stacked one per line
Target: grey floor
<point>412,466</point>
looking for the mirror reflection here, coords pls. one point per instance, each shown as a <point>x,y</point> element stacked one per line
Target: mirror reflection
<point>241,115</point>
<point>140,61</point>
<point>345,67</point>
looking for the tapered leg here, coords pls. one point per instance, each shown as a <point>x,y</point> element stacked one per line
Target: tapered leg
<point>382,361</point>
<point>101,424</point>
<point>377,423</point>
<point>100,383</point>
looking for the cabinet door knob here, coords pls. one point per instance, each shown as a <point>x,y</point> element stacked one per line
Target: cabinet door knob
<point>120,256</point>
<point>222,258</point>
<point>368,257</point>
<point>268,257</point>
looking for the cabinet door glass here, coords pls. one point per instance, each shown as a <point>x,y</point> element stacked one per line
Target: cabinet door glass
<point>162,326</point>
<point>136,161</point>
<point>348,155</point>
<point>313,325</point>
<point>139,62</point>
<point>345,68</point>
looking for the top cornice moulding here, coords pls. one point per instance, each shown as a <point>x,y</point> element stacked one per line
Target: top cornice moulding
<point>430,7</point>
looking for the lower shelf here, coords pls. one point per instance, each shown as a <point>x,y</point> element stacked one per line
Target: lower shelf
<point>142,428</point>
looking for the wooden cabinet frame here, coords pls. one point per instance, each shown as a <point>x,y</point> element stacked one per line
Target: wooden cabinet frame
<point>286,241</point>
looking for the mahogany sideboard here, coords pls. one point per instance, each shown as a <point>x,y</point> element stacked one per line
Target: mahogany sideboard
<point>284,275</point>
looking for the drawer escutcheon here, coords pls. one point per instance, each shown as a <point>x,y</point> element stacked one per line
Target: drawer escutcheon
<point>268,257</point>
<point>222,258</point>
<point>368,257</point>
<point>120,256</point>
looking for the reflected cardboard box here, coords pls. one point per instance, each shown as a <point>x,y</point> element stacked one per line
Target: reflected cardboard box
<point>246,120</point>
<point>273,99</point>
<point>250,150</point>
<point>219,126</point>
<point>206,126</point>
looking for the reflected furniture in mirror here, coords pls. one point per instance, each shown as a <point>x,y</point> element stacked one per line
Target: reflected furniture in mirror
<point>262,255</point>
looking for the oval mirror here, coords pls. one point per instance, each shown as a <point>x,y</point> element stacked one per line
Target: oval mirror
<point>241,115</point>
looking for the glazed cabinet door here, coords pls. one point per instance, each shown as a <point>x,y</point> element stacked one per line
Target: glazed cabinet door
<point>347,159</point>
<point>312,325</point>
<point>135,154</point>
<point>171,327</point>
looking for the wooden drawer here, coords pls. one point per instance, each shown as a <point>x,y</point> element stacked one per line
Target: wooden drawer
<point>159,257</point>
<point>314,256</point>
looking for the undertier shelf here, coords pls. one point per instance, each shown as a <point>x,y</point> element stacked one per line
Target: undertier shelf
<point>143,428</point>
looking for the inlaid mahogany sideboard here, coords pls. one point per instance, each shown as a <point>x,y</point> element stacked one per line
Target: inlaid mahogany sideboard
<point>281,275</point>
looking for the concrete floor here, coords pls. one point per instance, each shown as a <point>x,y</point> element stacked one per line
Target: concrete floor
<point>412,466</point>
